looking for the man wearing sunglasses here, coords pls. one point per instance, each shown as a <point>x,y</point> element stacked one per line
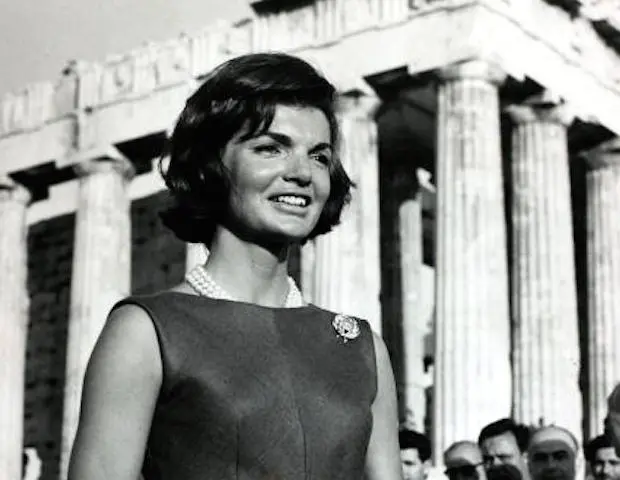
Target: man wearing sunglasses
<point>463,461</point>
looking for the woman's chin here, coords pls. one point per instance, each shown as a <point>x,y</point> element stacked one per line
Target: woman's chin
<point>288,237</point>
<point>275,240</point>
<point>289,233</point>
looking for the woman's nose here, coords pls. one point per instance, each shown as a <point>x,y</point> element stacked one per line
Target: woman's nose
<point>299,168</point>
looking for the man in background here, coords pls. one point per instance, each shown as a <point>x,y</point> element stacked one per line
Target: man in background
<point>415,454</point>
<point>602,458</point>
<point>612,422</point>
<point>503,444</point>
<point>463,461</point>
<point>552,454</point>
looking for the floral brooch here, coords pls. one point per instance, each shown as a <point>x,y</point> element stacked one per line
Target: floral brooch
<point>347,328</point>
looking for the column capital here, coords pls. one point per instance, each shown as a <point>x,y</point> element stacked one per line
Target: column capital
<point>605,155</point>
<point>541,108</point>
<point>102,159</point>
<point>12,191</point>
<point>359,105</point>
<point>473,69</point>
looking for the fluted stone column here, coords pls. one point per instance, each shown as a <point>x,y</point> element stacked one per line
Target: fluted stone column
<point>14,302</point>
<point>472,345</point>
<point>347,264</point>
<point>544,300</point>
<point>603,248</point>
<point>101,272</point>
<point>413,326</point>
<point>196,254</point>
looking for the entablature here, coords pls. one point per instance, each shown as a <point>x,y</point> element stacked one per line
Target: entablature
<point>140,92</point>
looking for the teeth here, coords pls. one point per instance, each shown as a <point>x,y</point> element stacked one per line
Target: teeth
<point>292,200</point>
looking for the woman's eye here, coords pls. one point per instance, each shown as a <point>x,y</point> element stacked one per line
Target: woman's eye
<point>322,158</point>
<point>270,149</point>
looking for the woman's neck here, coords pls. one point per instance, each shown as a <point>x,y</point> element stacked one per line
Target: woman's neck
<point>247,271</point>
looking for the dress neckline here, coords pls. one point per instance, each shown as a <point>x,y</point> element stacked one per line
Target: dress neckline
<point>307,306</point>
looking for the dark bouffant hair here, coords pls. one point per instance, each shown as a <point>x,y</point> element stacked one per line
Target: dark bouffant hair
<point>594,445</point>
<point>242,93</point>
<point>418,441</point>
<point>521,433</point>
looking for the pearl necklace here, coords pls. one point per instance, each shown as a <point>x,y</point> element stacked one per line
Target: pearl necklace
<point>203,283</point>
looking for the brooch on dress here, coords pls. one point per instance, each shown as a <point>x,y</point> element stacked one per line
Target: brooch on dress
<point>347,328</point>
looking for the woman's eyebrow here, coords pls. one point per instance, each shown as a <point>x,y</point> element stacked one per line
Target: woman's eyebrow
<point>279,137</point>
<point>286,140</point>
<point>321,146</point>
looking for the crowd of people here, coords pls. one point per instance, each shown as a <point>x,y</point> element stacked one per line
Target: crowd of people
<point>506,450</point>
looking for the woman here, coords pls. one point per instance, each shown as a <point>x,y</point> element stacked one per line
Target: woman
<point>230,375</point>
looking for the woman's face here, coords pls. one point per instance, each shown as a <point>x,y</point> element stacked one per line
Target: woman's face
<point>280,180</point>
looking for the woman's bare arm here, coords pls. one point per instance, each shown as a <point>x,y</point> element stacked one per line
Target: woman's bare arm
<point>383,458</point>
<point>120,390</point>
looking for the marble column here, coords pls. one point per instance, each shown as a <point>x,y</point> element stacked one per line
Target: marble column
<point>411,236</point>
<point>603,248</point>
<point>101,271</point>
<point>544,300</point>
<point>14,303</point>
<point>472,381</point>
<point>347,264</point>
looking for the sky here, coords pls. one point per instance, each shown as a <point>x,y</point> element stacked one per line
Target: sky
<point>39,37</point>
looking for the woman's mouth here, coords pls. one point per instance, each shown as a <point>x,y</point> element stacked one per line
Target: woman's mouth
<point>292,200</point>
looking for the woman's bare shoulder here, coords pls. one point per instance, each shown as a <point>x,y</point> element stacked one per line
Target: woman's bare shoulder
<point>120,390</point>
<point>130,318</point>
<point>129,338</point>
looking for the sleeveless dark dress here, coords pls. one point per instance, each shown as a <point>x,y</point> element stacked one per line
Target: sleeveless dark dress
<point>253,392</point>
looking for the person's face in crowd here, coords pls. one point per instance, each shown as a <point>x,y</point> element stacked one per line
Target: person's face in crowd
<point>606,464</point>
<point>413,466</point>
<point>551,456</point>
<point>464,463</point>
<point>612,427</point>
<point>280,181</point>
<point>501,452</point>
